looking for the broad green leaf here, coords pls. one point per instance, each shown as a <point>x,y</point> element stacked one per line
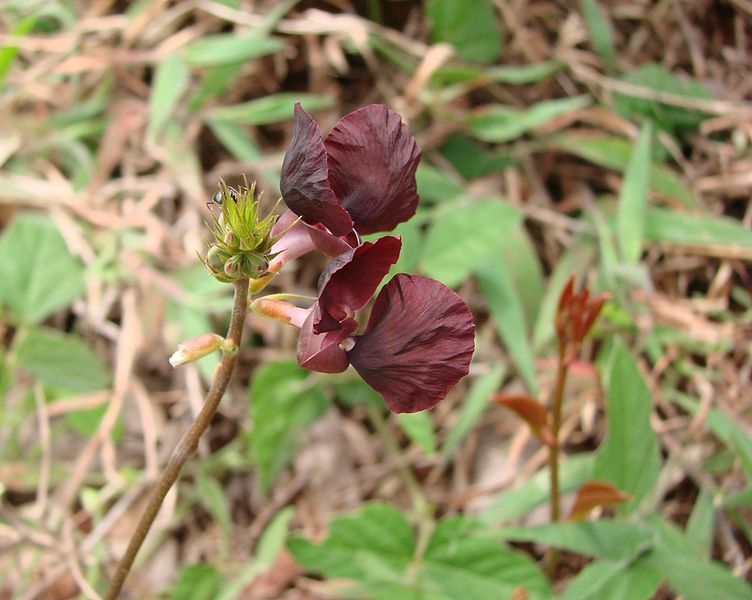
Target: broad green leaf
<point>629,458</point>
<point>471,159</point>
<point>472,409</point>
<point>614,153</point>
<point>435,185</point>
<point>170,81</point>
<point>657,78</point>
<point>42,277</point>
<point>356,392</point>
<point>498,123</point>
<point>703,233</point>
<point>615,580</point>
<point>604,539</point>
<point>224,48</point>
<point>534,492</point>
<point>376,548</point>
<point>282,403</point>
<point>470,27</point>
<point>197,582</point>
<point>274,108</point>
<point>419,429</point>
<point>630,218</point>
<point>378,536</point>
<point>599,28</point>
<point>506,308</point>
<point>61,361</point>
<point>459,563</point>
<point>692,577</point>
<point>463,236</point>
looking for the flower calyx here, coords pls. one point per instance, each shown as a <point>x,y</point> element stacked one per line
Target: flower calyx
<point>242,242</point>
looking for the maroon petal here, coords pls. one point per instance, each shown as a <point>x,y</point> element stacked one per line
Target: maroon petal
<point>322,352</point>
<point>304,179</point>
<point>351,279</point>
<point>372,158</point>
<point>418,344</point>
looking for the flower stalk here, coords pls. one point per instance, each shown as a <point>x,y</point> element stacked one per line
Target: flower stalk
<point>189,442</point>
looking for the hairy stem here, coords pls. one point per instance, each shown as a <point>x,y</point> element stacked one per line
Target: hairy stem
<point>552,556</point>
<point>188,443</point>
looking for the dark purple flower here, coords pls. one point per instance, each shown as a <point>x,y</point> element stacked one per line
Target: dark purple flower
<point>420,336</point>
<point>362,176</point>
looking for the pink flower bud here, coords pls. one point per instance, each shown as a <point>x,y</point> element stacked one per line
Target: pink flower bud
<point>198,347</point>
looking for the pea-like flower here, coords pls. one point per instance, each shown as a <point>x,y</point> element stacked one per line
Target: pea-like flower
<point>360,179</point>
<point>420,335</point>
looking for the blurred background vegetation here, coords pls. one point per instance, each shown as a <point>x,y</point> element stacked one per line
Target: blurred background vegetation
<point>607,139</point>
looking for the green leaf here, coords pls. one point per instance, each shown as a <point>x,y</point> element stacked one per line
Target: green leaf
<point>274,108</point>
<point>693,577</point>
<point>472,409</point>
<point>197,582</point>
<point>506,308</point>
<point>61,361</point>
<point>511,75</point>
<point>521,260</point>
<point>462,236</point>
<point>701,524</point>
<point>214,83</point>
<point>614,153</point>
<point>459,563</point>
<point>274,537</point>
<point>419,429</point>
<point>710,234</point>
<point>615,580</point>
<point>224,48</point>
<point>435,185</point>
<point>376,548</point>
<point>170,81</point>
<point>604,539</point>
<point>378,536</point>
<point>237,141</point>
<point>472,160</point>
<point>534,492</point>
<point>39,275</point>
<point>498,123</point>
<point>657,78</point>
<point>630,218</point>
<point>8,53</point>
<point>599,28</point>
<point>469,26</point>
<point>212,496</point>
<point>629,458</point>
<point>282,403</point>
<point>181,158</point>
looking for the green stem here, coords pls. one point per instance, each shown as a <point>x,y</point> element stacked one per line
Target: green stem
<point>188,443</point>
<point>552,556</point>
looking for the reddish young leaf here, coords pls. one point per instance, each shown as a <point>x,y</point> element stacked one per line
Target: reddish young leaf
<point>529,410</point>
<point>593,494</point>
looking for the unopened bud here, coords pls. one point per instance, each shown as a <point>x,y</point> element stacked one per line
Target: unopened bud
<point>198,347</point>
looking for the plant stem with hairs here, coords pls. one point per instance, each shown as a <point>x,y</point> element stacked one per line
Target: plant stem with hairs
<point>189,442</point>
